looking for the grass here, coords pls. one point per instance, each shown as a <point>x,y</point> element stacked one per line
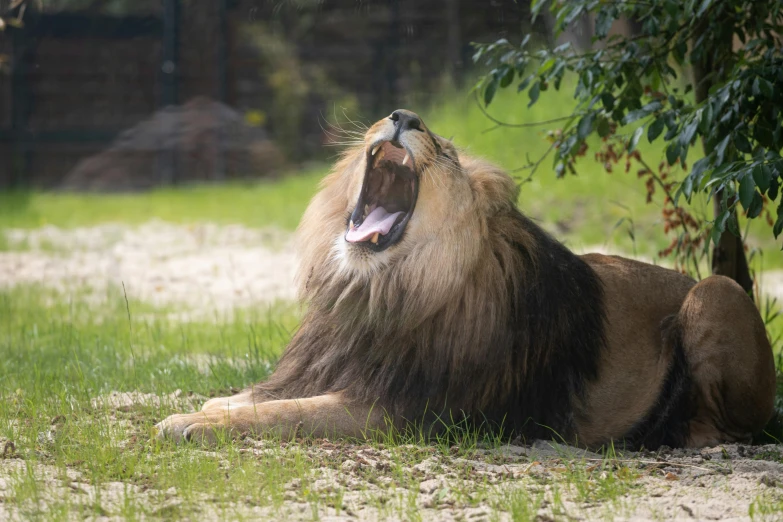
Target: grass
<point>59,355</point>
<point>268,203</point>
<point>65,456</point>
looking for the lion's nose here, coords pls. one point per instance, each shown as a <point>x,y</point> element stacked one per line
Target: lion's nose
<point>405,120</point>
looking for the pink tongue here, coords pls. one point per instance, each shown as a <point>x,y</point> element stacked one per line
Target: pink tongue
<point>378,222</point>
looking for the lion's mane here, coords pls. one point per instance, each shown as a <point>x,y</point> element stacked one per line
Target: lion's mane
<point>492,318</point>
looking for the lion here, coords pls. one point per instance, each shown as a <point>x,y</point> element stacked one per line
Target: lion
<point>430,298</point>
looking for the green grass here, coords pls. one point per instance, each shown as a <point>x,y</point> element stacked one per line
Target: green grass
<point>268,203</point>
<point>59,354</point>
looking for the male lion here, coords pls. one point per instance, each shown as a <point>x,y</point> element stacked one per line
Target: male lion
<point>431,298</point>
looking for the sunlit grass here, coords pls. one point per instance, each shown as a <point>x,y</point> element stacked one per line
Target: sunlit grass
<point>259,204</point>
<point>59,354</point>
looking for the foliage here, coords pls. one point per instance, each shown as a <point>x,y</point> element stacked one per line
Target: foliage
<point>734,103</point>
<point>295,86</point>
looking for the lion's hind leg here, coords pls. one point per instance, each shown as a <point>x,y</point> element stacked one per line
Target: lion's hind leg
<point>730,361</point>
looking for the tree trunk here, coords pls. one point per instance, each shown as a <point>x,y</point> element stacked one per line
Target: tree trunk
<point>728,256</point>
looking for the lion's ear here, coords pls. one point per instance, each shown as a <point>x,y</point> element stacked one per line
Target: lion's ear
<point>492,187</point>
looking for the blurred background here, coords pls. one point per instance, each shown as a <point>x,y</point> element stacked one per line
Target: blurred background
<point>130,94</point>
<point>114,95</point>
<point>119,110</point>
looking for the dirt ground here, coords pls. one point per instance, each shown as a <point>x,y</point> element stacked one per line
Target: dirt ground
<point>202,267</point>
<point>543,481</point>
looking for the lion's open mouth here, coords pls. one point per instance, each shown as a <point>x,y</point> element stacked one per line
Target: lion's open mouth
<point>387,199</point>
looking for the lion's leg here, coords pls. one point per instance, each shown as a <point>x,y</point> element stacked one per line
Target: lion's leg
<point>730,360</point>
<point>327,415</point>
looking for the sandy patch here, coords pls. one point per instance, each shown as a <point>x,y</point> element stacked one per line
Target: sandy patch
<point>204,267</point>
<point>125,401</point>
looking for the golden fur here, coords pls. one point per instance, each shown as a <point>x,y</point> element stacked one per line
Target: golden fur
<point>478,314</point>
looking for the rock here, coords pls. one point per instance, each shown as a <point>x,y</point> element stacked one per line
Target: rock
<point>201,136</point>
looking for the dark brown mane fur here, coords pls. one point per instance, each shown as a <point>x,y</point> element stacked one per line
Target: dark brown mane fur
<point>511,340</point>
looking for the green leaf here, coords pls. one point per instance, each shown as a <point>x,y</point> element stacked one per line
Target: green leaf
<point>746,190</point>
<point>575,11</point>
<point>641,113</point>
<point>603,22</point>
<point>673,152</point>
<point>686,188</point>
<point>742,144</point>
<point>608,100</point>
<point>489,91</point>
<point>507,77</point>
<point>694,178</point>
<point>546,66</point>
<point>756,206</point>
<point>774,185</point>
<point>706,119</point>
<point>635,139</point>
<point>585,126</point>
<point>671,120</point>
<point>703,7</point>
<point>733,225</point>
<point>602,127</point>
<point>679,50</point>
<point>533,94</point>
<point>655,129</point>
<point>688,132</point>
<point>720,150</point>
<point>634,115</point>
<point>762,176</point>
<point>524,83</point>
<point>535,8</point>
<point>778,226</point>
<point>766,88</point>
<point>719,226</point>
<point>756,89</point>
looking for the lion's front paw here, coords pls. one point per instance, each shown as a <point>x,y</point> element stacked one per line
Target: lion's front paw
<point>188,427</point>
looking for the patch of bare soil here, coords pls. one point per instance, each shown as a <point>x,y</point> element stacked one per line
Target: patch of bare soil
<point>126,401</point>
<point>559,483</point>
<point>204,267</point>
<point>544,481</point>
